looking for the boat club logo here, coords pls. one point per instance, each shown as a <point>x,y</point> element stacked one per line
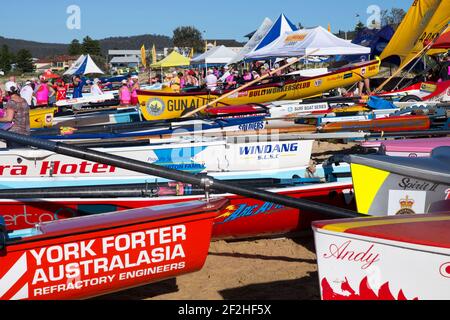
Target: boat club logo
<point>155,107</point>
<point>406,205</point>
<point>318,82</point>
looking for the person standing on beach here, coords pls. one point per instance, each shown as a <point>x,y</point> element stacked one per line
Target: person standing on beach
<point>125,94</point>
<point>78,85</point>
<point>27,93</point>
<point>17,112</point>
<point>43,92</point>
<point>134,87</point>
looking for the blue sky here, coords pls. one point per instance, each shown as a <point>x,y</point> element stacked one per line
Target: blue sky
<point>45,20</point>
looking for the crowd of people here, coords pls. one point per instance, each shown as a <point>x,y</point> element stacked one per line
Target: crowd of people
<point>214,78</point>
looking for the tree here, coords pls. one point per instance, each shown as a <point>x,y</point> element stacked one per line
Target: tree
<point>359,27</point>
<point>75,48</point>
<point>5,59</point>
<point>188,37</point>
<point>393,17</point>
<point>91,46</point>
<point>24,61</point>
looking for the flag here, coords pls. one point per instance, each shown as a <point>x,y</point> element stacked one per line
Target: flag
<point>191,54</point>
<point>206,45</point>
<point>215,43</point>
<point>144,56</point>
<point>329,27</point>
<point>154,60</point>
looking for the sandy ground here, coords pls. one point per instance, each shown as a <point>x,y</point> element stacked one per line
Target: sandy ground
<point>266,269</point>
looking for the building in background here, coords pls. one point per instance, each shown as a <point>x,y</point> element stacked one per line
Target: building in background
<point>55,64</point>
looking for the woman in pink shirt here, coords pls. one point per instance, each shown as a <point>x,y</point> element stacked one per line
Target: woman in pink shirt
<point>124,94</point>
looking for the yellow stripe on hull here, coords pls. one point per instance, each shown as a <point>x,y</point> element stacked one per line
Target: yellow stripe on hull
<point>157,105</point>
<point>366,183</point>
<point>371,222</point>
<point>42,117</point>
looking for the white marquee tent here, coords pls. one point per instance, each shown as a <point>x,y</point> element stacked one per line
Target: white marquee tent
<point>84,65</point>
<point>317,41</point>
<point>217,55</point>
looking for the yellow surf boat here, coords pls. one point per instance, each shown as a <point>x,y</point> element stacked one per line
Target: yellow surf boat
<point>42,117</point>
<point>162,105</point>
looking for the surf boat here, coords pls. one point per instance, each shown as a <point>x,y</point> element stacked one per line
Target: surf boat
<point>389,258</point>
<point>97,255</point>
<point>422,91</point>
<point>387,185</point>
<point>158,105</point>
<point>413,148</point>
<point>238,159</point>
<point>142,130</point>
<point>244,217</point>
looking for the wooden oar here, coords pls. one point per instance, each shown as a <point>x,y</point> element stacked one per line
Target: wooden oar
<point>425,49</point>
<point>190,114</point>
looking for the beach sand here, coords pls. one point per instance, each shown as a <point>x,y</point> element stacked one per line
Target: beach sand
<point>266,269</point>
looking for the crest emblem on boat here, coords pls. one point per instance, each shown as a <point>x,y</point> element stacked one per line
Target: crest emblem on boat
<point>155,107</point>
<point>406,205</point>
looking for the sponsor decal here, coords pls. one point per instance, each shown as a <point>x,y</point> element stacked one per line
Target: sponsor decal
<point>365,292</point>
<point>155,107</point>
<point>269,151</point>
<point>308,107</point>
<point>372,68</point>
<point>183,104</point>
<point>71,268</point>
<point>318,83</point>
<point>28,217</point>
<point>57,168</point>
<point>274,90</point>
<point>348,75</point>
<point>344,252</point>
<point>49,118</point>
<point>252,126</point>
<point>235,212</point>
<point>444,270</point>
<point>447,194</point>
<point>406,202</point>
<point>179,159</point>
<point>363,71</point>
<point>293,38</point>
<point>334,78</point>
<point>428,87</point>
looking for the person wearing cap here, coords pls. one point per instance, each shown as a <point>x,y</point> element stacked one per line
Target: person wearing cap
<point>17,112</point>
<point>135,86</point>
<point>95,88</point>
<point>61,90</point>
<point>124,94</point>
<point>78,85</point>
<point>27,93</point>
<point>211,80</point>
<point>227,72</point>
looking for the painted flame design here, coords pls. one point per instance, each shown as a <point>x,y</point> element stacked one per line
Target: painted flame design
<point>365,292</point>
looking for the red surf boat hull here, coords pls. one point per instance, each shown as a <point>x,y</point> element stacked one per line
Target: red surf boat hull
<point>96,255</point>
<point>242,218</point>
